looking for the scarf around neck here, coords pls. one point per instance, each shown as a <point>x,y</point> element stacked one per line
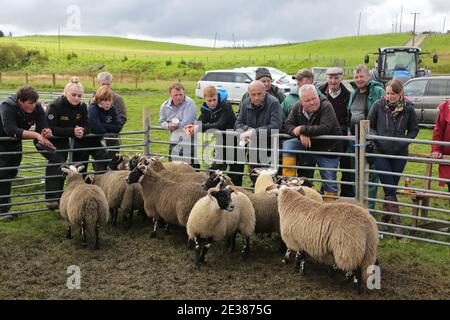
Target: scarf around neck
<point>394,108</point>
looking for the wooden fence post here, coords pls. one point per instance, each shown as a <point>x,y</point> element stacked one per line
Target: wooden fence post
<point>54,79</point>
<point>0,77</point>
<point>26,77</point>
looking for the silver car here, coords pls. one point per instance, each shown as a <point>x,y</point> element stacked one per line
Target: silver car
<point>426,93</point>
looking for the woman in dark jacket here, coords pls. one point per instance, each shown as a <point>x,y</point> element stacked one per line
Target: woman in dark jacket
<point>392,116</point>
<point>67,118</point>
<point>102,119</point>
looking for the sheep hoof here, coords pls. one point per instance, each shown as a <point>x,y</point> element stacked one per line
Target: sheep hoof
<point>153,234</point>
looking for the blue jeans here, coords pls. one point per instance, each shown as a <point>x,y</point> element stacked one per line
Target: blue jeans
<point>390,165</point>
<point>322,162</point>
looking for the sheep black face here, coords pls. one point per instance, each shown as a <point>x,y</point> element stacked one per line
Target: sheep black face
<point>135,175</point>
<point>214,181</point>
<point>115,161</point>
<point>223,198</point>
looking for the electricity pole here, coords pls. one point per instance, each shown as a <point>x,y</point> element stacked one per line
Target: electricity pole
<point>234,41</point>
<point>59,41</point>
<point>401,17</point>
<point>215,39</point>
<point>396,20</point>
<point>359,23</point>
<point>414,28</point>
<point>443,27</point>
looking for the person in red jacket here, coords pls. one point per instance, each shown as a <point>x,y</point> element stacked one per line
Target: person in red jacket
<point>441,132</point>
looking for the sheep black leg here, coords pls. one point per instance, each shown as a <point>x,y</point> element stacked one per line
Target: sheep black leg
<point>232,243</point>
<point>190,244</point>
<point>206,246</point>
<point>282,247</point>
<point>83,234</point>
<point>245,248</point>
<point>199,243</point>
<point>155,227</point>
<point>130,218</point>
<point>357,279</point>
<point>166,229</point>
<point>69,233</point>
<point>287,256</point>
<point>300,261</point>
<point>97,236</point>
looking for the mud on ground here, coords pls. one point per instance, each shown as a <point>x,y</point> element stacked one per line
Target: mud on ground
<point>34,256</point>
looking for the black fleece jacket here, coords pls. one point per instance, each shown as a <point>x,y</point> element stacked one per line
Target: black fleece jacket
<point>321,122</point>
<point>13,120</point>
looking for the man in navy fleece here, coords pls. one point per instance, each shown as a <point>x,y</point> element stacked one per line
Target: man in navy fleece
<point>102,118</point>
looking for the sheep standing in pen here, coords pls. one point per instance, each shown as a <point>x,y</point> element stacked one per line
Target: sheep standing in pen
<point>118,162</point>
<point>339,234</point>
<point>165,199</point>
<point>158,166</point>
<point>119,194</point>
<point>84,206</point>
<point>265,204</point>
<point>174,166</point>
<point>264,179</point>
<point>219,215</point>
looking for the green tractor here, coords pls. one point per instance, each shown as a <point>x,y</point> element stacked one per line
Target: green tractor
<point>402,63</point>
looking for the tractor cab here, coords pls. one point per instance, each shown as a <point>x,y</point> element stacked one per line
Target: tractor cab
<point>401,63</point>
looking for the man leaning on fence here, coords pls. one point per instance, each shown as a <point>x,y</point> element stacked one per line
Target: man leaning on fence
<point>112,139</point>
<point>259,114</point>
<point>313,116</point>
<point>18,114</point>
<point>176,113</point>
<point>339,96</point>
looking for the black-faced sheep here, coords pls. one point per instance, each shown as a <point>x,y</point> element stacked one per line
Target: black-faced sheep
<point>340,234</point>
<point>174,166</point>
<point>118,162</point>
<point>165,199</point>
<point>120,194</point>
<point>265,204</point>
<point>84,206</point>
<point>221,214</point>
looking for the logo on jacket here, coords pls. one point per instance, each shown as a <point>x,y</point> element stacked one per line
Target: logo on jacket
<point>50,117</point>
<point>108,119</point>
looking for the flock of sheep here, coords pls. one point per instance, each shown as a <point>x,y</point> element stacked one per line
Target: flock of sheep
<point>341,234</point>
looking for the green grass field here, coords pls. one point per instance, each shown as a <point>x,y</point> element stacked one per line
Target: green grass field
<point>154,60</point>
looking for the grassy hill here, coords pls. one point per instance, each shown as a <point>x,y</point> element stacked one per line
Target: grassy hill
<point>147,60</point>
<point>439,44</point>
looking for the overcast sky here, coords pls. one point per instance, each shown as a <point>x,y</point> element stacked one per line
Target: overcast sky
<point>253,22</point>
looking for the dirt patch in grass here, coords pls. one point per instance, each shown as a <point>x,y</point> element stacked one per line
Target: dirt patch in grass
<point>130,265</point>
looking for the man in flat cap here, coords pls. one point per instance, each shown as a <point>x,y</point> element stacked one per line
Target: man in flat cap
<point>339,96</point>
